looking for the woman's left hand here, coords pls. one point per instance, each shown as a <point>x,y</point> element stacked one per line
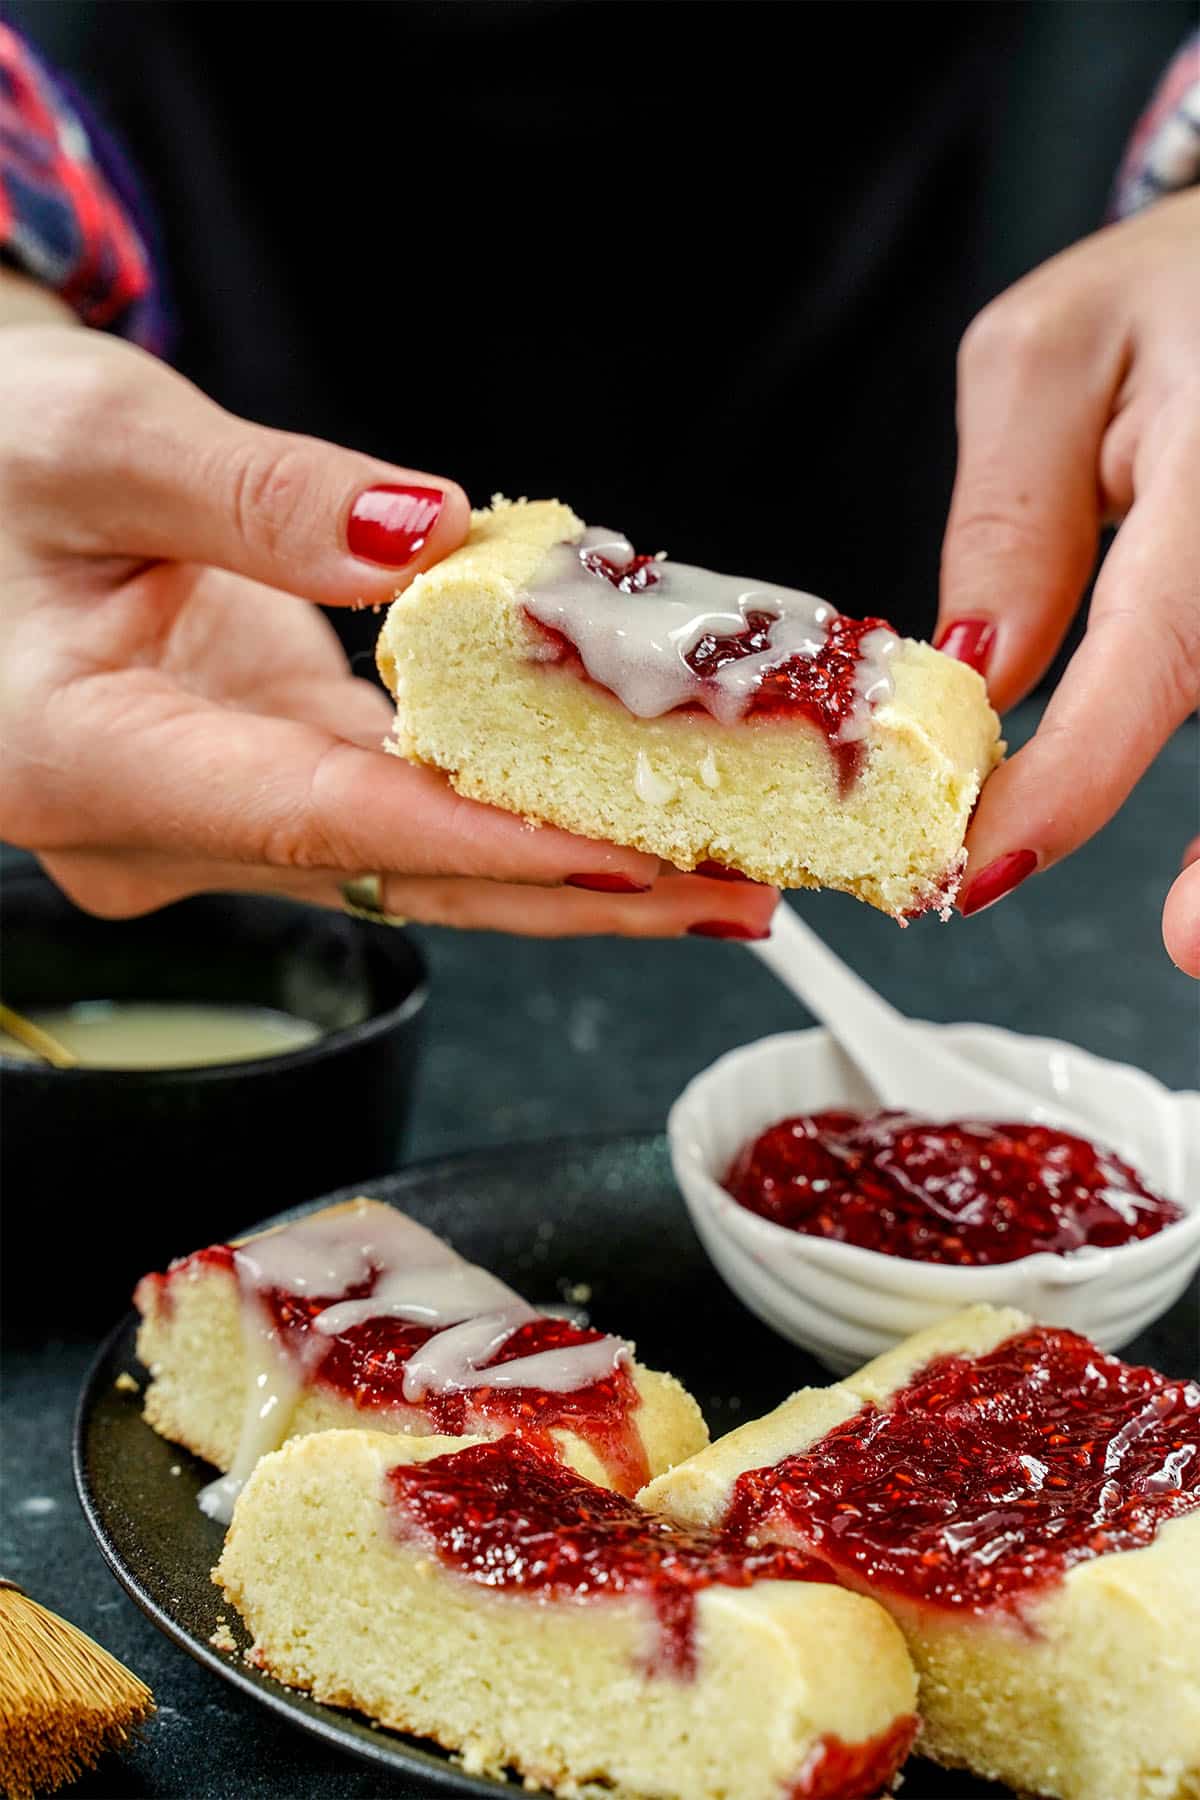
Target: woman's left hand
<point>177,716</point>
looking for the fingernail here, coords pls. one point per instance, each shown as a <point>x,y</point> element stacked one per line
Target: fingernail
<point>968,641</point>
<point>607,884</point>
<point>724,928</point>
<point>996,880</point>
<point>389,525</point>
<point>716,871</point>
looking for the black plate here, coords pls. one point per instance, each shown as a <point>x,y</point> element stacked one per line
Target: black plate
<point>544,1217</point>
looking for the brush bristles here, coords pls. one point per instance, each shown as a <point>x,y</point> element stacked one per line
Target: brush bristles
<point>63,1700</point>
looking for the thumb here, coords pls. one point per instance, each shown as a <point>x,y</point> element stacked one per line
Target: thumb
<point>131,460</point>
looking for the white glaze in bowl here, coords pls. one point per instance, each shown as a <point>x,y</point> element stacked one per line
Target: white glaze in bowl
<point>846,1304</point>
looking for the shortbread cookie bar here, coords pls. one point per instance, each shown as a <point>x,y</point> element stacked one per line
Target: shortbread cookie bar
<point>1028,1510</point>
<point>708,719</point>
<point>357,1315</point>
<point>489,1598</point>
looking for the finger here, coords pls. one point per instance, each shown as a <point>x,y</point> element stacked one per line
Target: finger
<point>1134,679</point>
<point>244,644</point>
<point>1035,393</point>
<point>154,469</point>
<point>678,906</point>
<point>125,886</point>
<point>1181,919</point>
<point>352,709</point>
<point>305,799</point>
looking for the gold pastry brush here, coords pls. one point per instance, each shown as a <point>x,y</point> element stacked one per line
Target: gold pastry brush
<point>63,1700</point>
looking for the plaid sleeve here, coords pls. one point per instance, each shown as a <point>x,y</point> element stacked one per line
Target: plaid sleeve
<point>1164,151</point>
<point>61,219</point>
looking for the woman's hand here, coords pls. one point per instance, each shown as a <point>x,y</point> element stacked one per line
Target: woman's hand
<point>175,714</point>
<point>1079,402</point>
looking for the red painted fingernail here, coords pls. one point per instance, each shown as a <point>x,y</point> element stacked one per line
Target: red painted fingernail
<point>388,525</point>
<point>608,884</point>
<point>716,871</point>
<point>724,928</point>
<point>999,878</point>
<point>968,641</point>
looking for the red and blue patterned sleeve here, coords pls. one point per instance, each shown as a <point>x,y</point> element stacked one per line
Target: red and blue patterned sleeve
<point>68,215</point>
<point>1164,151</point>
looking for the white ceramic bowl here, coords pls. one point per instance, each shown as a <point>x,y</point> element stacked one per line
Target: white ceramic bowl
<point>846,1304</point>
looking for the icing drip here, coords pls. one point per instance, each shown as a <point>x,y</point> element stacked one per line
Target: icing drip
<point>427,1295</point>
<point>273,1383</point>
<point>457,1360</point>
<point>648,634</point>
<point>651,787</point>
<point>333,1252</point>
<point>317,1285</point>
<point>710,775</point>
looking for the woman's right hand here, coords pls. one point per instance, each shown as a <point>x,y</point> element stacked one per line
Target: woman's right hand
<point>176,715</point>
<point>1079,400</point>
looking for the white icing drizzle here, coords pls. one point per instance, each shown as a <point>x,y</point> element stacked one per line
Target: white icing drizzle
<point>335,1251</point>
<point>562,1371</point>
<point>635,644</point>
<point>452,1361</point>
<point>427,1296</point>
<point>873,683</point>
<point>650,787</point>
<point>273,1383</point>
<point>417,1277</point>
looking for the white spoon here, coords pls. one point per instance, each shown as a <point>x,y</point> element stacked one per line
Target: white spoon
<point>908,1067</point>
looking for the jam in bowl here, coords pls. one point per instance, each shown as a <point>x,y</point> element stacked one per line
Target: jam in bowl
<point>965,1192</point>
<point>918,1220</point>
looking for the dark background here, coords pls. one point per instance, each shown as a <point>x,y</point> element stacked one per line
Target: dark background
<point>699,269</point>
<point>702,270</point>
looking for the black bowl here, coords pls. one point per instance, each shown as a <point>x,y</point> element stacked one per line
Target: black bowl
<point>109,1172</point>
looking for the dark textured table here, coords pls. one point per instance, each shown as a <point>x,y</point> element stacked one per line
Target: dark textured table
<point>536,1040</point>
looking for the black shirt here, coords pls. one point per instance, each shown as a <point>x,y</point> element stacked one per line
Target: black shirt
<point>699,269</point>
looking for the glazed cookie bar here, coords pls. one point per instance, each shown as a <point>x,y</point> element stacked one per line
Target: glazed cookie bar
<point>717,722</point>
<point>357,1315</point>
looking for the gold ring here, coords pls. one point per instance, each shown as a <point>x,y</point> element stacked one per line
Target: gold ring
<point>362,898</point>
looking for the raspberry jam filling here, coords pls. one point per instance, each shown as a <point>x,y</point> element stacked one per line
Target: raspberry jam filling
<point>508,1516</point>
<point>666,637</point>
<point>985,1479</point>
<point>965,1193</point>
<point>823,688</point>
<point>835,1770</point>
<point>632,576</point>
<point>367,1363</point>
